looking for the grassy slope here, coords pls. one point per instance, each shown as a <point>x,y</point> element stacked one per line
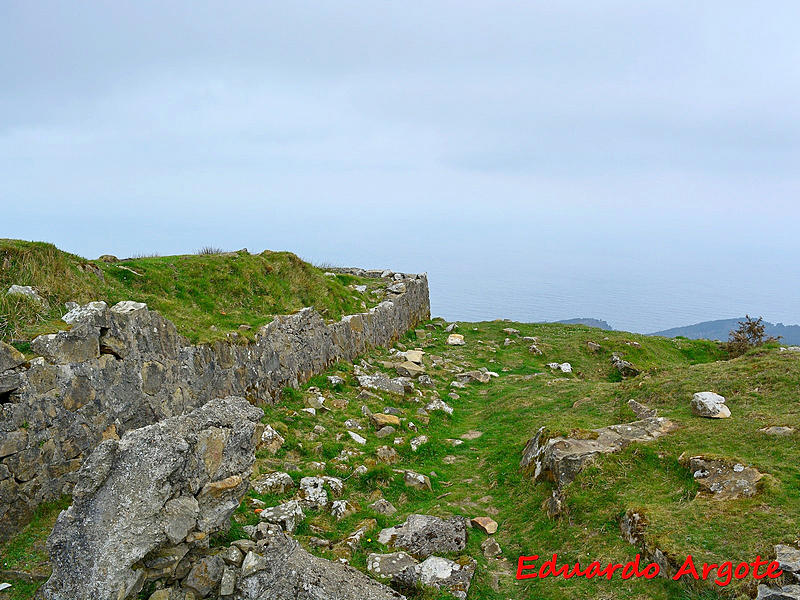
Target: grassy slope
<point>193,291</point>
<point>761,389</point>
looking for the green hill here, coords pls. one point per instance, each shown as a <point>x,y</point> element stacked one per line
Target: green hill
<point>205,295</point>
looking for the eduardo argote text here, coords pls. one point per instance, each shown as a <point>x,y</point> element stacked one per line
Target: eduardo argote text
<point>529,567</point>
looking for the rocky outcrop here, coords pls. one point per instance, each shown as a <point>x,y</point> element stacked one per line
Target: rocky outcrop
<point>143,502</point>
<point>560,459</point>
<point>126,367</point>
<point>724,479</point>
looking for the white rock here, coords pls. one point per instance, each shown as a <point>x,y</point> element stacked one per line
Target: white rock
<point>455,339</point>
<point>356,438</point>
<point>711,405</point>
<point>128,306</point>
<point>25,290</point>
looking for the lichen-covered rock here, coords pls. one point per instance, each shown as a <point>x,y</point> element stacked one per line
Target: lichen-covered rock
<point>724,480</point>
<point>10,357</point>
<point>386,566</point>
<point>625,368</point>
<point>288,515</point>
<point>382,383</point>
<point>282,569</point>
<point>787,592</point>
<point>271,440</point>
<point>560,459</point>
<point>423,535</point>
<point>80,344</point>
<point>120,514</point>
<point>454,577</point>
<point>273,483</point>
<point>418,481</point>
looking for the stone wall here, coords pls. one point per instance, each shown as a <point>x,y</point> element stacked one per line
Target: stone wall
<point>126,367</point>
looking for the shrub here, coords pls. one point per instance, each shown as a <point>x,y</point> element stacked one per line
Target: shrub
<point>751,333</point>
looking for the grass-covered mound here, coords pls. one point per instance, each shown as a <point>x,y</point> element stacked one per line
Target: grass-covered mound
<point>196,292</point>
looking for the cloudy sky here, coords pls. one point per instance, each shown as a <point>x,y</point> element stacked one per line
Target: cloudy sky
<point>633,161</point>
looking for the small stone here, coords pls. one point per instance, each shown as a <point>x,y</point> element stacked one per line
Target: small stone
<point>491,548</point>
<point>710,405</point>
<point>357,438</point>
<point>383,507</point>
<point>417,481</point>
<point>418,441</point>
<point>778,431</point>
<point>385,431</point>
<point>335,380</point>
<point>273,483</point>
<point>380,420</point>
<point>485,524</point>
<point>455,339</point>
<point>271,440</point>
<point>387,454</point>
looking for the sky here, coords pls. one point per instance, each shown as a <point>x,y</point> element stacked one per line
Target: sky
<point>630,161</point>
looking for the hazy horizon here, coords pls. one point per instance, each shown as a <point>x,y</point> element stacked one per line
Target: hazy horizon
<point>632,163</point>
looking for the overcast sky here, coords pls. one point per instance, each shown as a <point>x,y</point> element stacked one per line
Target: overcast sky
<point>634,161</point>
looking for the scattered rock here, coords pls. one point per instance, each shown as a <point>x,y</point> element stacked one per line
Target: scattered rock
<point>641,411</point>
<point>341,509</point>
<point>335,380</point>
<point>287,515</point>
<point>563,367</point>
<point>312,492</point>
<point>711,405</point>
<point>273,483</point>
<point>455,339</point>
<point>594,347</point>
<point>380,420</point>
<point>383,507</point>
<point>417,481</point>
<point>25,290</point>
<point>385,431</point>
<point>485,524</point>
<point>491,548</point>
<point>409,369</point>
<point>470,435</point>
<point>356,438</point>
<point>271,440</point>
<point>778,431</point>
<point>625,368</point>
<point>381,383</point>
<point>418,441</point>
<point>387,454</point>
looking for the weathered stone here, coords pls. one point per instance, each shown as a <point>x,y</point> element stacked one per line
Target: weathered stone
<point>381,383</point>
<point>418,442</point>
<point>287,515</point>
<point>228,582</point>
<point>80,344</point>
<point>417,481</point>
<point>271,440</point>
<point>385,431</point>
<point>455,339</point>
<point>491,548</point>
<point>439,404</point>
<point>96,542</point>
<point>383,507</point>
<point>356,438</point>
<point>25,290</point>
<point>180,517</point>
<point>454,577</point>
<point>387,454</point>
<point>779,431</point>
<point>480,376</point>
<point>625,368</point>
<point>204,576</point>
<point>93,313</point>
<point>386,566</point>
<point>12,442</point>
<point>312,492</point>
<point>641,411</point>
<point>485,524</point>
<point>788,558</point>
<point>409,369</point>
<point>273,483</point>
<point>341,509</point>
<point>560,459</point>
<point>711,405</point>
<point>724,480</point>
<point>423,535</point>
<point>10,357</point>
<point>380,420</point>
<point>286,570</point>
<point>787,592</point>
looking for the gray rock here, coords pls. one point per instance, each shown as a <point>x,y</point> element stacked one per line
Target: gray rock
<point>423,535</point>
<point>25,290</point>
<point>206,454</point>
<point>724,480</point>
<point>386,566</point>
<point>641,411</point>
<point>787,592</point>
<point>779,431</point>
<point>711,405</point>
<point>788,558</point>
<point>80,344</point>
<point>287,515</point>
<point>286,570</point>
<point>560,459</point>
<point>382,383</point>
<point>625,368</point>
<point>385,431</point>
<point>204,576</point>
<point>312,493</point>
<point>228,583</point>
<point>442,573</point>
<point>10,357</point>
<point>439,404</point>
<point>491,548</point>
<point>383,506</point>
<point>273,483</point>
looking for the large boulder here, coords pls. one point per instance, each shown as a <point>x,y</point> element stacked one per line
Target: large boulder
<point>423,535</point>
<point>169,484</point>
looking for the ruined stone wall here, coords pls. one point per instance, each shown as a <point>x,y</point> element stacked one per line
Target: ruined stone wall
<point>126,367</point>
